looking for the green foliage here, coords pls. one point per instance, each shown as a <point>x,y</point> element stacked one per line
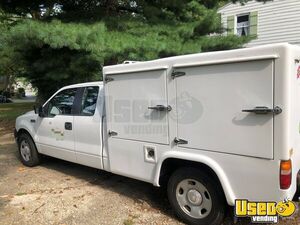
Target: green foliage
<point>69,42</point>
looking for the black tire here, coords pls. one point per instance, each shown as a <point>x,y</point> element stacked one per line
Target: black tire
<point>34,157</point>
<point>215,214</point>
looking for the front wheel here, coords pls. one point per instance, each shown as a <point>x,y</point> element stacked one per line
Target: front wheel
<point>27,150</point>
<point>196,197</point>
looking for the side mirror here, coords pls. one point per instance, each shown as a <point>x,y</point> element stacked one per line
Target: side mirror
<point>41,111</point>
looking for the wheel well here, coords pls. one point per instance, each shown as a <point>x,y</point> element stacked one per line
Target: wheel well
<point>172,164</point>
<point>23,131</point>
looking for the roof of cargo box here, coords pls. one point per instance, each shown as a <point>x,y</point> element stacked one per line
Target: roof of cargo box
<point>271,51</point>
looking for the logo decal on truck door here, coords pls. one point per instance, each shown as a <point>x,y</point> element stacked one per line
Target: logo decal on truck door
<point>57,134</point>
<point>264,212</point>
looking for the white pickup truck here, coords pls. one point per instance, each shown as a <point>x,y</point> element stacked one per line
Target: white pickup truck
<point>214,127</point>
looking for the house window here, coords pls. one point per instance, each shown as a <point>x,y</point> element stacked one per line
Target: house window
<point>242,25</point>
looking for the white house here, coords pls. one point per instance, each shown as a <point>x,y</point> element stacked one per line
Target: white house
<point>271,22</point>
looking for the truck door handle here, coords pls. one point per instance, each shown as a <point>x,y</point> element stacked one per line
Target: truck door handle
<point>161,108</point>
<point>68,126</point>
<point>264,110</point>
<point>179,141</point>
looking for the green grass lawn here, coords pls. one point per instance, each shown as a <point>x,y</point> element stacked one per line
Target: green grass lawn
<point>9,112</point>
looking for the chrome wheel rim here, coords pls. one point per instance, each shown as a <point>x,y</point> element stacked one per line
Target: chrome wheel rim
<point>193,198</point>
<point>25,150</point>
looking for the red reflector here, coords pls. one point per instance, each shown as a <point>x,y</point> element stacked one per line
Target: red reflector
<point>285,181</point>
<point>285,174</point>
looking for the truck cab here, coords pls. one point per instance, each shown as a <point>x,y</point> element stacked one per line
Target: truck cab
<point>67,126</point>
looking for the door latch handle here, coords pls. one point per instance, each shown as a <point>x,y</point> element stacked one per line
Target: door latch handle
<point>179,141</point>
<point>264,110</point>
<point>112,133</point>
<point>68,126</point>
<point>161,108</point>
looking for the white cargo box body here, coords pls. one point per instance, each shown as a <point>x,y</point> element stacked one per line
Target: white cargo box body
<point>206,94</point>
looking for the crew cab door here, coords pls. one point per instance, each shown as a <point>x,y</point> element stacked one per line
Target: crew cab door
<point>88,126</point>
<point>55,136</point>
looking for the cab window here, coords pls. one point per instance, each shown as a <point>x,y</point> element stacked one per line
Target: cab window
<point>89,101</point>
<point>62,103</point>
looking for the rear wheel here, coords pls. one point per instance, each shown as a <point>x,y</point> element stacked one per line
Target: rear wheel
<point>27,150</point>
<point>196,197</point>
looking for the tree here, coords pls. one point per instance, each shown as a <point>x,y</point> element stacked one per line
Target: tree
<point>67,41</point>
<point>9,68</point>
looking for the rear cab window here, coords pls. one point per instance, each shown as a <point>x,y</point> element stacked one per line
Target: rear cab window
<point>89,101</point>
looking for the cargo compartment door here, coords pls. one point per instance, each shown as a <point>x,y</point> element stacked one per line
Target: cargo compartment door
<point>137,106</point>
<point>137,119</point>
<point>210,103</point>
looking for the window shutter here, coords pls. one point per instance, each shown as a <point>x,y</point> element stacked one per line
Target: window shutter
<point>230,25</point>
<point>253,23</point>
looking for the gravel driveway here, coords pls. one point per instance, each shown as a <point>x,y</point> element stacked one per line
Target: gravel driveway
<point>58,192</point>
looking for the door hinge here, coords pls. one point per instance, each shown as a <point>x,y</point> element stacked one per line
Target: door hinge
<point>108,79</point>
<point>179,141</point>
<point>177,74</point>
<point>112,133</point>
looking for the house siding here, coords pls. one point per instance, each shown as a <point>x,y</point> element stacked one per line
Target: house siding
<point>278,20</point>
